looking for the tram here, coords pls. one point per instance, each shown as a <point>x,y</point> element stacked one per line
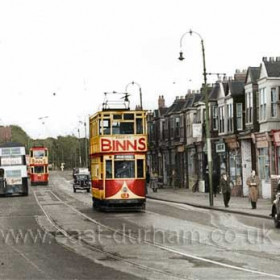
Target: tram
<point>118,147</point>
<point>38,165</point>
<point>13,169</point>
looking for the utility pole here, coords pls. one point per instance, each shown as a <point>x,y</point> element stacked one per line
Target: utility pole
<point>86,154</point>
<point>80,154</point>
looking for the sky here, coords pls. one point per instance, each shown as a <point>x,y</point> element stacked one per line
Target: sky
<point>58,57</point>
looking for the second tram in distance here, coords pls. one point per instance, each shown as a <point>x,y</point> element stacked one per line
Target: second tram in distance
<point>38,165</point>
<point>118,147</point>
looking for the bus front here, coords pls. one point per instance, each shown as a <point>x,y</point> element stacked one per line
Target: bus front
<point>13,175</point>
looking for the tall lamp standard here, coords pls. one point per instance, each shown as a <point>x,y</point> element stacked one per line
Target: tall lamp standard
<point>86,154</point>
<point>206,99</point>
<point>80,152</point>
<point>140,92</point>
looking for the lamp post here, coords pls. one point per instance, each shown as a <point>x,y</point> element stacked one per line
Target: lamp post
<point>206,100</point>
<point>86,156</point>
<point>140,92</point>
<point>80,153</point>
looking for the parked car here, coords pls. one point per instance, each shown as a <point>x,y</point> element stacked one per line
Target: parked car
<point>275,211</point>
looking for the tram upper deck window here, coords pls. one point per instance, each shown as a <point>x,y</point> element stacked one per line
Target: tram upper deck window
<point>124,169</point>
<point>38,153</point>
<point>123,127</point>
<point>139,126</point>
<point>104,126</point>
<point>128,116</point>
<point>117,116</point>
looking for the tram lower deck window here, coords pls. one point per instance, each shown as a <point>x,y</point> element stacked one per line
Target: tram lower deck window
<point>38,169</point>
<point>124,169</point>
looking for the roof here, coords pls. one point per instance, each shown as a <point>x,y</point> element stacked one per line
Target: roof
<point>236,88</point>
<point>11,144</point>
<point>255,73</point>
<point>272,68</point>
<point>191,98</point>
<point>214,92</point>
<point>177,105</point>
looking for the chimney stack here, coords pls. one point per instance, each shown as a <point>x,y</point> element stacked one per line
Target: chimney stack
<point>240,76</point>
<point>264,59</point>
<point>161,102</point>
<point>271,59</point>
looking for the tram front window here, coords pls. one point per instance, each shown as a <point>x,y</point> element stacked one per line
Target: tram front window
<point>124,169</point>
<point>39,169</point>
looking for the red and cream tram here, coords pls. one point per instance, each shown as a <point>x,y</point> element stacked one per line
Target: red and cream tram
<point>118,146</point>
<point>38,165</point>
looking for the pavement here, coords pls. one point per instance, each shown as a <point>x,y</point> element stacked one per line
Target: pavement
<point>237,205</point>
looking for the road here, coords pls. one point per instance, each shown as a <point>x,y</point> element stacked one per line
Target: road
<point>167,241</point>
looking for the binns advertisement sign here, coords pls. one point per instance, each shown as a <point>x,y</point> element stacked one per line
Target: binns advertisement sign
<point>123,144</point>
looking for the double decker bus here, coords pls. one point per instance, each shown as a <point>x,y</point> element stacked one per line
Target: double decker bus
<point>13,169</point>
<point>118,147</point>
<point>38,165</point>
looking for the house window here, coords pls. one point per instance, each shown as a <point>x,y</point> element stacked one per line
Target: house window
<point>177,127</point>
<point>262,102</point>
<point>249,107</point>
<point>215,117</point>
<point>189,131</point>
<point>221,120</point>
<point>239,118</point>
<point>273,103</point>
<point>263,164</point>
<point>162,129</point>
<point>198,116</point>
<point>278,160</point>
<point>229,118</point>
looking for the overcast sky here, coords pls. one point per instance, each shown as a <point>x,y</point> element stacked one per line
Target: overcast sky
<point>81,49</point>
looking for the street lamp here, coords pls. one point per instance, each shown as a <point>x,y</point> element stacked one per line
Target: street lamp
<point>206,100</point>
<point>140,92</point>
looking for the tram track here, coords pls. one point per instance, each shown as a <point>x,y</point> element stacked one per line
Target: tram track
<point>149,243</point>
<point>69,235</point>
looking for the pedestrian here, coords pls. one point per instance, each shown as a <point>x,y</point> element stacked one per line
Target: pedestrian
<point>225,187</point>
<point>253,183</point>
<point>148,177</point>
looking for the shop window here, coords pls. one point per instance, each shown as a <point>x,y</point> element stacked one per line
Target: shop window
<point>263,164</point>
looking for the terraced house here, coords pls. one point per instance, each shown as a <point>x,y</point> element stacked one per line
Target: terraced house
<point>244,126</point>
